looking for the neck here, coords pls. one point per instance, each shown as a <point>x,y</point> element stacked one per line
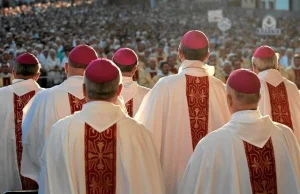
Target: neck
<point>24,77</point>
<point>75,73</point>
<point>127,74</point>
<point>245,107</point>
<point>112,100</point>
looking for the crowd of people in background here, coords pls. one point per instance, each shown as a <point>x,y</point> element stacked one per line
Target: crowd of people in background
<point>51,30</point>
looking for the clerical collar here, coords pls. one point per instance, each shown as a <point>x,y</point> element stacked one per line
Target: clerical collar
<point>127,81</point>
<point>272,76</point>
<point>210,70</point>
<point>17,81</point>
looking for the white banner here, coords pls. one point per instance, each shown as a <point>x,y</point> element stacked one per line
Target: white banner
<point>269,26</point>
<point>215,15</point>
<point>224,24</point>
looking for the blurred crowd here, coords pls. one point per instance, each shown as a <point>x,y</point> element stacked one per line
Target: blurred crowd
<point>51,30</point>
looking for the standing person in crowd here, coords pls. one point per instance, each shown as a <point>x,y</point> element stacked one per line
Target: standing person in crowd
<point>160,55</point>
<point>13,99</point>
<point>164,71</point>
<point>172,62</point>
<point>65,59</point>
<point>52,60</point>
<point>236,64</point>
<point>51,105</point>
<point>43,56</point>
<point>289,55</point>
<point>51,63</point>
<point>283,60</point>
<point>5,58</point>
<point>6,77</point>
<point>128,162</point>
<point>250,154</point>
<point>150,72</point>
<point>133,94</point>
<point>280,97</point>
<point>222,73</point>
<point>181,109</point>
<point>293,72</point>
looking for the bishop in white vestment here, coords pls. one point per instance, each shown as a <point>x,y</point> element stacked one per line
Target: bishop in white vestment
<point>13,99</point>
<point>181,109</point>
<point>133,94</point>
<point>51,105</point>
<point>100,149</point>
<point>251,154</point>
<point>280,97</point>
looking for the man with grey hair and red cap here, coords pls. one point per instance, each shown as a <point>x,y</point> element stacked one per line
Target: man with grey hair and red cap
<point>250,154</point>
<point>181,109</point>
<point>52,105</point>
<point>101,149</point>
<point>13,99</point>
<point>280,97</point>
<point>133,94</point>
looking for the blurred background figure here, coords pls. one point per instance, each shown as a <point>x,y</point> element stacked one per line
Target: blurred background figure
<point>6,77</point>
<point>150,32</point>
<point>293,72</point>
<point>164,71</point>
<point>147,79</point>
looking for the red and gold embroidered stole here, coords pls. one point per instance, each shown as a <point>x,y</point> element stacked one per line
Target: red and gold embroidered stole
<point>152,74</point>
<point>262,168</point>
<point>19,103</point>
<point>280,104</point>
<point>197,93</point>
<point>129,107</point>
<point>6,81</point>
<point>100,160</point>
<point>75,103</point>
<point>297,77</point>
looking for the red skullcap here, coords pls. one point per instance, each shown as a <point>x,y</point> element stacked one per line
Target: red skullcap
<point>194,39</point>
<point>101,71</point>
<point>244,81</point>
<point>264,52</point>
<point>125,56</point>
<point>27,59</point>
<point>82,54</point>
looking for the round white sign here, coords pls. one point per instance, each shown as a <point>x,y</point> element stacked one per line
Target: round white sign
<point>224,24</point>
<point>269,22</point>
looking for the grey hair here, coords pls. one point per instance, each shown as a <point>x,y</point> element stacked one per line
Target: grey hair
<point>243,97</point>
<point>265,64</point>
<point>27,70</point>
<point>102,91</point>
<point>225,63</point>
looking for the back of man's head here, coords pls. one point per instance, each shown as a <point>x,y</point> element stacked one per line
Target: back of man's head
<point>194,46</point>
<point>243,90</point>
<point>27,66</point>
<point>102,81</point>
<point>79,58</point>
<point>264,58</point>
<point>127,60</point>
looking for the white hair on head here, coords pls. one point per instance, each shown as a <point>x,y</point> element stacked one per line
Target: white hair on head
<point>263,64</point>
